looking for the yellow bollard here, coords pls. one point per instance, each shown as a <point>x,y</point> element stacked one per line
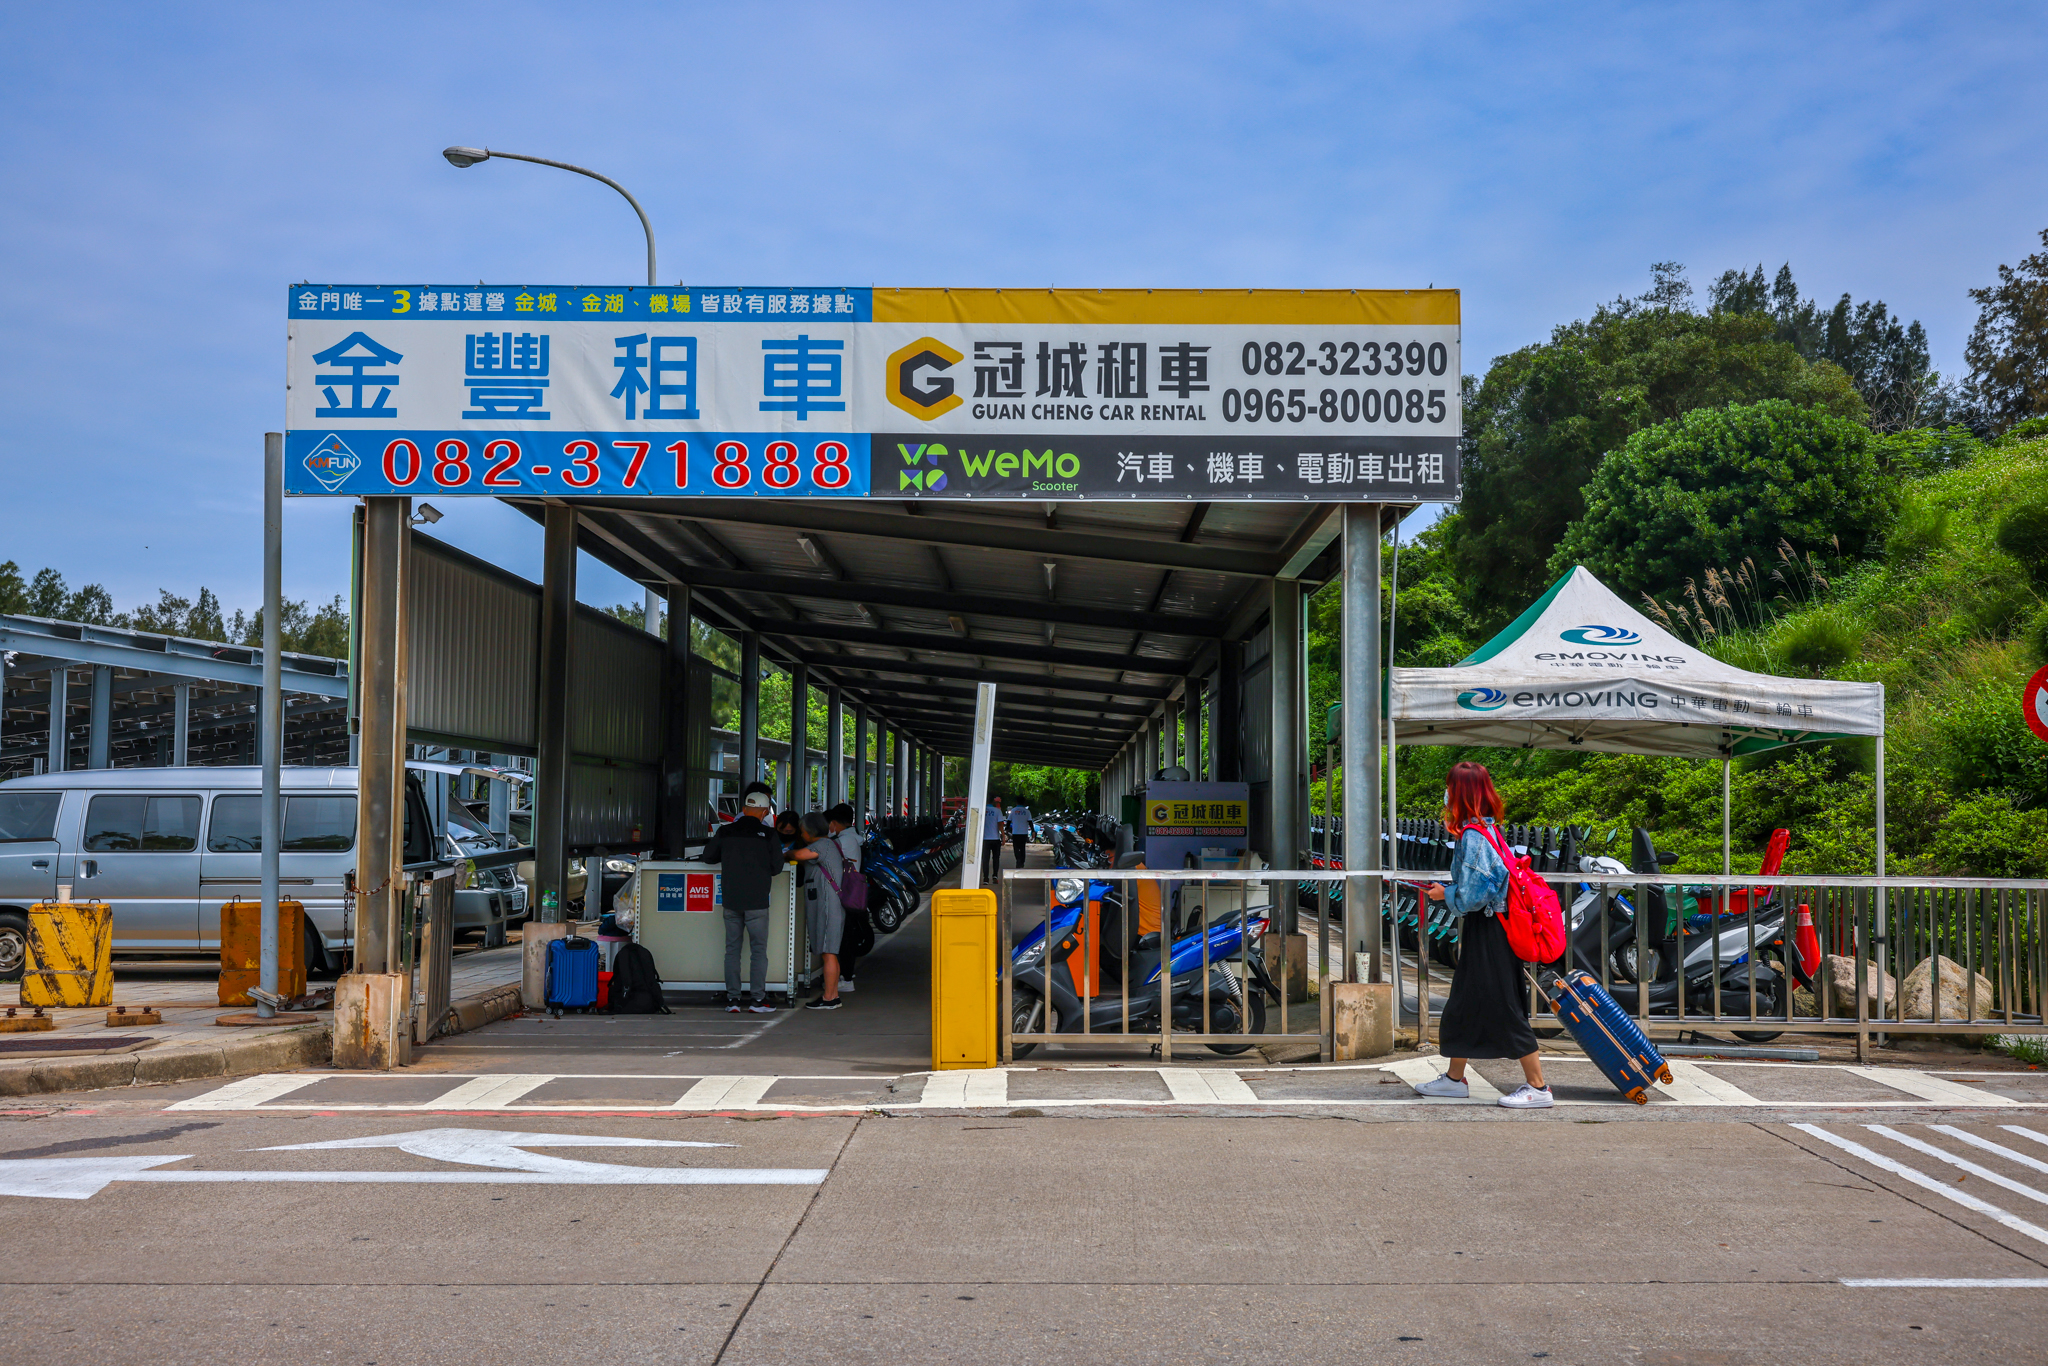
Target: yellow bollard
<point>964,979</point>
<point>70,954</point>
<point>241,950</point>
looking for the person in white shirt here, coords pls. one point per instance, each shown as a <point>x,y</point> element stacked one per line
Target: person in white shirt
<point>992,843</point>
<point>1020,829</point>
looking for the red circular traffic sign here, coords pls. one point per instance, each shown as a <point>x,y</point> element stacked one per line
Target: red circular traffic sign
<point>2034,702</point>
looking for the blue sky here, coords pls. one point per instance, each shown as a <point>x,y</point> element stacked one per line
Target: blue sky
<point>170,168</point>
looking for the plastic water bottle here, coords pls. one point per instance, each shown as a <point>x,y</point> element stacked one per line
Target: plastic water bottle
<point>549,907</point>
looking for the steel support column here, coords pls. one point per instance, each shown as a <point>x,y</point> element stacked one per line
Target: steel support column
<point>863,803</point>
<point>750,708</point>
<point>1362,732</point>
<point>99,740</point>
<point>380,774</point>
<point>1289,752</point>
<point>1227,754</point>
<point>1194,711</point>
<point>551,777</point>
<point>835,745</point>
<point>181,723</point>
<point>800,737</point>
<point>674,818</point>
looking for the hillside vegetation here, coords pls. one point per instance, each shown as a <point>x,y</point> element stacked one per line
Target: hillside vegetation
<point>1949,610</point>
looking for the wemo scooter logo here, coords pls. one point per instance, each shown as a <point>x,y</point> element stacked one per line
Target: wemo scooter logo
<point>1482,699</point>
<point>918,477</point>
<point>1600,635</point>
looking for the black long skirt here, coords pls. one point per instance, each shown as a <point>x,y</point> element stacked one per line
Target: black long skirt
<point>1487,1015</point>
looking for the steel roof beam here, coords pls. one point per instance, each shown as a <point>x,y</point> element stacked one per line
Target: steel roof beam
<point>1080,687</point>
<point>928,600</point>
<point>835,517</point>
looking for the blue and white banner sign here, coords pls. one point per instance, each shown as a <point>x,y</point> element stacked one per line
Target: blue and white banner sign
<point>837,391</point>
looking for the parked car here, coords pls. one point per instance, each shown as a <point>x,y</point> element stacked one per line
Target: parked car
<point>167,847</point>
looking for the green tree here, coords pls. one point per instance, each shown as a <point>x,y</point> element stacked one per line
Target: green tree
<point>1721,485</point>
<point>1886,357</point>
<point>2008,348</point>
<point>1545,417</point>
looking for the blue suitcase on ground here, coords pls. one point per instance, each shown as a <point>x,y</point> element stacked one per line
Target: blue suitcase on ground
<point>1610,1038</point>
<point>572,974</point>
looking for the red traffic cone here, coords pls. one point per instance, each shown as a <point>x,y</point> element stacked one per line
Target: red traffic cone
<point>1808,943</point>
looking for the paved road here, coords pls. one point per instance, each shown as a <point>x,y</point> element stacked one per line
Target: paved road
<point>193,1235</point>
<point>537,1191</point>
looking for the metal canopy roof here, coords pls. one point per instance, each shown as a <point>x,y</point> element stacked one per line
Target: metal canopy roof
<point>1088,615</point>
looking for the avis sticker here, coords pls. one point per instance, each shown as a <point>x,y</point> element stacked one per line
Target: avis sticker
<point>332,462</point>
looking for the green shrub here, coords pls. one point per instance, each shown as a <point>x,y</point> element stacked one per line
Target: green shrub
<point>1987,836</point>
<point>2023,534</point>
<point>1725,486</point>
<point>1820,641</point>
<point>2035,637</point>
<point>1920,530</point>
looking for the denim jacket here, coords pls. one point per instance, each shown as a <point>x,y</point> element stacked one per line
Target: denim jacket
<point>1479,880</point>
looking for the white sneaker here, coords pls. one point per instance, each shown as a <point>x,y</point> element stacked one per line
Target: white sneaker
<point>1527,1097</point>
<point>1444,1088</point>
<point>846,984</point>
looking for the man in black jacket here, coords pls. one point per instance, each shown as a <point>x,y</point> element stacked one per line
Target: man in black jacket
<point>750,854</point>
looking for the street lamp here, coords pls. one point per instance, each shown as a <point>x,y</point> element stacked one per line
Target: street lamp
<point>464,157</point>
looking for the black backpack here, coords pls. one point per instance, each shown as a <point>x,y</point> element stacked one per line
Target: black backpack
<point>636,985</point>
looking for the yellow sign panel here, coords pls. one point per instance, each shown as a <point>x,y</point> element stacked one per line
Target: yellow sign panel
<point>1159,814</point>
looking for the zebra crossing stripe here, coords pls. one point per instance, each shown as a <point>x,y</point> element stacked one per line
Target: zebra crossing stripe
<point>1921,1179</point>
<point>2019,1188</point>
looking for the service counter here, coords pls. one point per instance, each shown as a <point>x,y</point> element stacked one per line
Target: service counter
<point>676,917</point>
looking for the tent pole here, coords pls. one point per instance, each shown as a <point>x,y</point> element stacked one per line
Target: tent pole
<point>1727,848</point>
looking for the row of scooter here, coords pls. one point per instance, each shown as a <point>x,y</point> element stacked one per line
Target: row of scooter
<point>904,858</point>
<point>1682,942</point>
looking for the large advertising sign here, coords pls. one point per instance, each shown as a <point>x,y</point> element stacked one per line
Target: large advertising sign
<point>614,391</point>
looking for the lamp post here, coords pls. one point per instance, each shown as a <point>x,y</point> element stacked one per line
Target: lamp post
<point>463,157</point>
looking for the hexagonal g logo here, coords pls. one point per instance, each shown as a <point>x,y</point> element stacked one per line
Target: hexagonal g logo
<point>923,398</point>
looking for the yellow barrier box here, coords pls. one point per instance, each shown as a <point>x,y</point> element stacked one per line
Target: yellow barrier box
<point>964,979</point>
<point>70,954</point>
<point>241,951</point>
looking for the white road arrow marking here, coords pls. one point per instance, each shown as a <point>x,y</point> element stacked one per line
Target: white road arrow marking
<point>81,1178</point>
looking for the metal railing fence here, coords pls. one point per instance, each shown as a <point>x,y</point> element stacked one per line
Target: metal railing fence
<point>1974,952</point>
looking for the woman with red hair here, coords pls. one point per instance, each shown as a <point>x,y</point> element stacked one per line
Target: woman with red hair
<point>1485,1017</point>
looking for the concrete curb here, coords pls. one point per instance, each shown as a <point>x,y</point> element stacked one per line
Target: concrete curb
<point>306,1046</point>
<point>474,1012</point>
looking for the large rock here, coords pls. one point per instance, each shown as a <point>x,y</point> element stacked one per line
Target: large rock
<point>1961,997</point>
<point>1838,981</point>
<point>1287,964</point>
<point>1361,1020</point>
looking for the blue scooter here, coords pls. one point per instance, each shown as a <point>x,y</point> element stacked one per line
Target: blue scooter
<point>1230,1005</point>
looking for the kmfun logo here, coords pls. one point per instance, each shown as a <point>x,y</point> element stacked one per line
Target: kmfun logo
<point>332,462</point>
<point>1482,699</point>
<point>1600,635</point>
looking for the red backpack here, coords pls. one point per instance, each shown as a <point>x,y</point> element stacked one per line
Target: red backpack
<point>1533,919</point>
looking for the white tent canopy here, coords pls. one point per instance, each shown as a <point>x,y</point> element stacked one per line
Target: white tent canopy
<point>1583,670</point>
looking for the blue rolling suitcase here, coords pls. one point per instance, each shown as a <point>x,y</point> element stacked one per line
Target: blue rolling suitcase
<point>572,974</point>
<point>1609,1036</point>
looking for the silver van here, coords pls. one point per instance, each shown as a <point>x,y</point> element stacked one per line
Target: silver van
<point>166,847</point>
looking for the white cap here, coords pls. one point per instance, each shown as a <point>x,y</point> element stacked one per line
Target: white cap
<point>761,800</point>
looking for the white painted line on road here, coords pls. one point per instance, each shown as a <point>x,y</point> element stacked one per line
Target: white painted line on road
<point>1206,1086</point>
<point>1940,1188</point>
<point>1929,1088</point>
<point>486,1093</point>
<point>1692,1084</point>
<point>724,1093</point>
<point>1416,1071</point>
<point>1961,1163</point>
<point>76,1178</point>
<point>1948,1283</point>
<point>965,1089</point>
<point>2024,1133</point>
<point>250,1092</point>
<point>1988,1146</point>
